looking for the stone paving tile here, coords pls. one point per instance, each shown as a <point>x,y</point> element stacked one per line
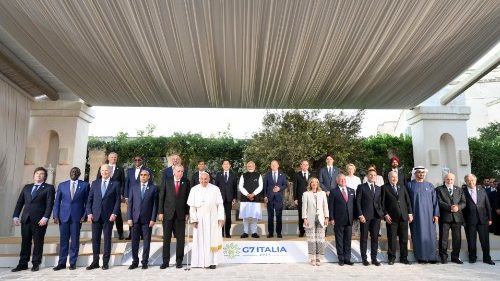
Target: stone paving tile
<point>243,272</point>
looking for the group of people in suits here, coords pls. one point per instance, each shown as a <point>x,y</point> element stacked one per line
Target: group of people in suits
<point>322,200</point>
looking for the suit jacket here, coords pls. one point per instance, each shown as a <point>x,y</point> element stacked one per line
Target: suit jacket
<point>269,184</point>
<point>368,204</point>
<point>145,208</point>
<point>401,177</point>
<point>327,182</point>
<point>169,203</point>
<point>492,196</point>
<point>445,202</point>
<point>300,185</point>
<point>65,207</point>
<point>100,206</point>
<point>340,211</point>
<point>196,178</point>
<point>311,207</point>
<point>118,177</point>
<point>36,207</point>
<point>131,180</point>
<point>168,173</point>
<point>397,206</point>
<point>477,213</point>
<point>227,189</point>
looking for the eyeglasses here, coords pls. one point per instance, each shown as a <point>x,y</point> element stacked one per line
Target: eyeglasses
<point>137,160</point>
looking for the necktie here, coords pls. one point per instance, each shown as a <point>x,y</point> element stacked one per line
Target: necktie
<point>450,191</point>
<point>330,171</point>
<point>143,189</point>
<point>34,190</point>
<point>112,171</point>
<point>274,177</point>
<point>73,189</point>
<point>344,194</point>
<point>305,176</point>
<point>225,176</point>
<point>103,189</point>
<point>395,189</point>
<point>177,186</point>
<point>474,196</point>
<point>372,188</point>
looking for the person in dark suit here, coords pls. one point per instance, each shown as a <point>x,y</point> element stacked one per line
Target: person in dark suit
<point>300,183</point>
<point>227,182</point>
<point>491,190</point>
<point>477,217</point>
<point>342,200</point>
<point>369,210</point>
<point>202,166</point>
<point>117,175</point>
<point>174,211</point>
<point>168,172</point>
<point>395,163</point>
<point>451,203</point>
<point>102,209</point>
<point>397,214</point>
<point>141,214</point>
<point>36,200</point>
<point>328,174</point>
<point>275,184</point>
<point>69,213</point>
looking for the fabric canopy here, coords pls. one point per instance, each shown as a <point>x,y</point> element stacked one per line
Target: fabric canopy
<point>252,54</point>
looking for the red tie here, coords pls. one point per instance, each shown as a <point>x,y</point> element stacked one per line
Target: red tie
<point>344,194</point>
<point>177,185</point>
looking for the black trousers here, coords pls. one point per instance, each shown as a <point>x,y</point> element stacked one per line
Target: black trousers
<point>471,232</point>
<point>456,239</point>
<point>180,227</point>
<point>273,207</point>
<point>394,230</point>
<point>301,220</point>
<point>139,230</point>
<point>119,223</point>
<point>343,237</point>
<point>31,231</point>
<point>102,227</point>
<point>372,226</point>
<point>227,225</point>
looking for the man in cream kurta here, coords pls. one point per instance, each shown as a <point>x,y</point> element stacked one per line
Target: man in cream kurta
<point>207,216</point>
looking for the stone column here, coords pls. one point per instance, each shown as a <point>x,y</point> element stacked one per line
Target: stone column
<point>97,157</point>
<point>440,142</point>
<point>57,136</point>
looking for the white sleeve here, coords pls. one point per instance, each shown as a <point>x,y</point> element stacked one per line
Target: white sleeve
<point>261,186</point>
<point>241,188</point>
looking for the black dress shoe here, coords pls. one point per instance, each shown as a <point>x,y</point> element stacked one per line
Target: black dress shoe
<point>349,262</point>
<point>72,267</point>
<point>228,236</point>
<point>376,263</point>
<point>421,261</point>
<point>19,268</point>
<point>244,235</point>
<point>341,263</point>
<point>280,236</point>
<point>432,261</point>
<point>133,266</point>
<point>178,266</point>
<point>92,266</point>
<point>59,267</point>
<point>268,236</point>
<point>457,261</point>
<point>105,266</point>
<point>120,237</point>
<point>444,261</point>
<point>390,262</point>
<point>301,234</point>
<point>128,238</point>
<point>212,266</point>
<point>472,260</point>
<point>35,268</point>
<point>489,262</point>
<point>255,235</point>
<point>163,265</point>
<point>405,261</point>
<point>366,263</point>
<point>144,266</point>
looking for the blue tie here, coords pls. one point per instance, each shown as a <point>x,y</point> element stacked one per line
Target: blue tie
<point>143,189</point>
<point>34,191</point>
<point>103,188</point>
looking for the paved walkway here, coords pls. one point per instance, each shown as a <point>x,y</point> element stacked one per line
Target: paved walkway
<point>295,272</point>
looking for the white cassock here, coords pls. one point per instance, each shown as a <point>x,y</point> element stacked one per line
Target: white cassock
<point>206,208</point>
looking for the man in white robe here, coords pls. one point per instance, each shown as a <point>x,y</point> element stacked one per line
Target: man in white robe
<point>207,216</point>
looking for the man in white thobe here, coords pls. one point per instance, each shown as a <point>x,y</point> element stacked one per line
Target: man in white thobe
<point>207,216</point>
